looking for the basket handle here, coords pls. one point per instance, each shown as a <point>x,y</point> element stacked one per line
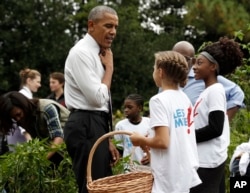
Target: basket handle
<point>92,151</point>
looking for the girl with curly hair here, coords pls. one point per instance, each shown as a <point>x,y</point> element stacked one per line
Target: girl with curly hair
<point>210,111</point>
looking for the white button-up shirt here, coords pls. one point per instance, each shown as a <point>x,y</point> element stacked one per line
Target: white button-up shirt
<point>83,77</point>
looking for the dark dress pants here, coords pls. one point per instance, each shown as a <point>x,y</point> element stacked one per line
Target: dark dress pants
<point>211,179</point>
<point>81,131</point>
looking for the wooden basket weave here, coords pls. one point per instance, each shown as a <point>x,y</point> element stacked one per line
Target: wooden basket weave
<point>133,182</point>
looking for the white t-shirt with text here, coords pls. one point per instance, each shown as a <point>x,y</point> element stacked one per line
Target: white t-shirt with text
<point>174,168</point>
<point>212,153</point>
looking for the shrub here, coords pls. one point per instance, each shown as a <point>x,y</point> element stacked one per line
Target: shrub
<point>27,170</point>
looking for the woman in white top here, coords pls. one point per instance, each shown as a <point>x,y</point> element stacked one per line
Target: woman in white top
<point>30,82</point>
<point>174,158</point>
<point>210,111</point>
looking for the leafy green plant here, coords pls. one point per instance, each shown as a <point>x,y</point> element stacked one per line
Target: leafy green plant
<point>123,164</point>
<point>27,170</point>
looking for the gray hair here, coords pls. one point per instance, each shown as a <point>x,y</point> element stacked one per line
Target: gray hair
<point>98,11</point>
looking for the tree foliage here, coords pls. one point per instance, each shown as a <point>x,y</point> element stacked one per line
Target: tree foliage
<point>35,34</point>
<point>163,16</point>
<point>212,19</point>
<point>38,34</point>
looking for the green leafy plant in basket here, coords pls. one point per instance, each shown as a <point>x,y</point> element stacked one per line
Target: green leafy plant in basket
<point>123,163</point>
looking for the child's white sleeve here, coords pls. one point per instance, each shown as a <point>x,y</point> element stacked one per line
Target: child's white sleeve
<point>22,130</point>
<point>243,164</point>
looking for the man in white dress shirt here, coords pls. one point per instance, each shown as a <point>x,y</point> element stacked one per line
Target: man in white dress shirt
<point>88,75</point>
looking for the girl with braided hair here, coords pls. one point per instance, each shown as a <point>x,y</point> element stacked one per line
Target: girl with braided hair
<point>174,158</point>
<point>210,111</point>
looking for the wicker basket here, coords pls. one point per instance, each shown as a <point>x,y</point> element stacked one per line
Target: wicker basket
<point>133,182</point>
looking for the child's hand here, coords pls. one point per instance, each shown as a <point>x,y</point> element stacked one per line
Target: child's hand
<point>145,148</point>
<point>136,139</point>
<point>146,159</point>
<point>114,152</point>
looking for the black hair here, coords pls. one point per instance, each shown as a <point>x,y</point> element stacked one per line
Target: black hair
<point>15,99</point>
<point>227,53</point>
<point>137,98</point>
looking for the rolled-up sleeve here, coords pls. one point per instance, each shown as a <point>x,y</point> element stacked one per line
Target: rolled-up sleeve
<point>53,122</point>
<point>234,94</point>
<point>235,98</point>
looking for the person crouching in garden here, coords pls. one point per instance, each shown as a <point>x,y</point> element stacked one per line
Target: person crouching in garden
<point>41,118</point>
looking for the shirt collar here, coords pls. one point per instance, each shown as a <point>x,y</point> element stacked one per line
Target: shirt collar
<point>191,73</point>
<point>92,43</point>
<point>30,94</point>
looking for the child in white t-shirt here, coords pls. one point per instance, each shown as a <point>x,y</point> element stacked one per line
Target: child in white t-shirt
<point>174,158</point>
<point>134,121</point>
<point>210,111</point>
